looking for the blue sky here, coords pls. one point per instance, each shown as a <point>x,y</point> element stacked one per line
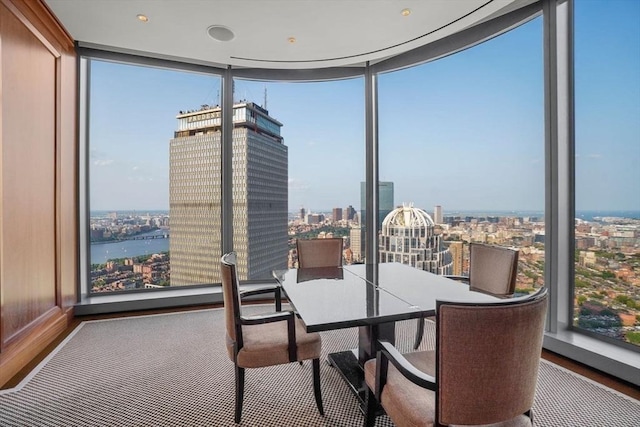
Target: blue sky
<point>465,132</point>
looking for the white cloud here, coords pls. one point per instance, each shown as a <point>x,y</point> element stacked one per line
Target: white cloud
<point>296,185</point>
<point>590,156</point>
<point>105,162</point>
<point>139,179</point>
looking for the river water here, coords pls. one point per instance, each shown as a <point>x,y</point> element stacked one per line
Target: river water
<point>102,252</point>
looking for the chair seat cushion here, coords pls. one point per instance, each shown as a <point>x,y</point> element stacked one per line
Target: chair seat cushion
<point>267,345</point>
<point>408,404</point>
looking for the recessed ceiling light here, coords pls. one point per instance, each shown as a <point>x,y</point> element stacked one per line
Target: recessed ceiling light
<point>291,39</point>
<point>406,12</point>
<point>220,33</point>
<point>143,18</point>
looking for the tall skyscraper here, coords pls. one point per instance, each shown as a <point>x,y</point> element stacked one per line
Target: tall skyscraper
<point>457,255</point>
<point>349,213</point>
<point>385,200</point>
<point>355,239</point>
<point>337,214</point>
<point>260,195</point>
<point>385,205</point>
<point>437,214</point>
<point>407,236</point>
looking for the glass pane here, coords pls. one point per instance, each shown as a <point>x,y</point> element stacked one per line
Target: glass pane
<point>151,168</point>
<point>298,160</point>
<point>607,147</point>
<point>462,141</point>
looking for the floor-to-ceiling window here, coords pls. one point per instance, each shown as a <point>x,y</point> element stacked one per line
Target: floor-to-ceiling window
<point>462,145</point>
<point>298,161</point>
<point>153,203</point>
<point>606,297</point>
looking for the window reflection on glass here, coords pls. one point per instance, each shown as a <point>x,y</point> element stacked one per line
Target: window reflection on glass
<point>607,147</point>
<point>467,165</point>
<point>153,176</point>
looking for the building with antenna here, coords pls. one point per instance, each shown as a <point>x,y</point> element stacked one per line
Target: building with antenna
<point>260,194</point>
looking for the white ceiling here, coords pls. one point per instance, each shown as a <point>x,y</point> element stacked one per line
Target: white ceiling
<point>328,33</point>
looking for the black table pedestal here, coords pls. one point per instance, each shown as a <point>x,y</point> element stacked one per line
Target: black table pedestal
<point>351,372</point>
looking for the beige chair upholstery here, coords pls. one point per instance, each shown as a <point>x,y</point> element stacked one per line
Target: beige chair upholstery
<point>483,372</point>
<point>492,269</point>
<point>314,253</point>
<point>270,339</point>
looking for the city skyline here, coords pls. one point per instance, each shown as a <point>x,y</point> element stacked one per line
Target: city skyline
<point>460,134</point>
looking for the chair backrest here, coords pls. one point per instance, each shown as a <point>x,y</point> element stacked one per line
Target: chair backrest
<point>231,297</point>
<point>492,269</point>
<point>305,274</point>
<point>319,252</point>
<point>487,358</point>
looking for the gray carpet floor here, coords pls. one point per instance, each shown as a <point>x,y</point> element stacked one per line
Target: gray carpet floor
<point>173,370</point>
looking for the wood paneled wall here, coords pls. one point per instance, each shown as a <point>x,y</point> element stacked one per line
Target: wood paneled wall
<point>38,182</point>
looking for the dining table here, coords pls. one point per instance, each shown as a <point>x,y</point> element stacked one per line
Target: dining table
<point>371,297</point>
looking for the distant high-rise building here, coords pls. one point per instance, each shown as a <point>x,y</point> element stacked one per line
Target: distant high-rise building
<point>260,195</point>
<point>407,236</point>
<point>437,214</point>
<point>457,255</point>
<point>355,239</point>
<point>385,200</point>
<point>337,214</point>
<point>313,218</point>
<point>349,213</point>
<point>303,213</point>
<point>385,204</point>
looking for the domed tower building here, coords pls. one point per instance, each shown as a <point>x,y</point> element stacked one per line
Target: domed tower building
<point>407,236</point>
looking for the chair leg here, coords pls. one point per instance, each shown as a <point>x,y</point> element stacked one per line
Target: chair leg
<point>419,333</point>
<point>239,392</point>
<point>529,414</point>
<point>370,410</point>
<point>316,385</point>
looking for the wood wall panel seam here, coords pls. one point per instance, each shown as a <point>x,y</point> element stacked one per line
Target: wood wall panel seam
<point>18,356</point>
<point>37,32</point>
<point>37,12</point>
<point>28,329</point>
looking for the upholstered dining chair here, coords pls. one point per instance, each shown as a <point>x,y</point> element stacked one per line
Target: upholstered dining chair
<point>269,339</point>
<point>319,252</point>
<point>483,370</point>
<point>492,270</point>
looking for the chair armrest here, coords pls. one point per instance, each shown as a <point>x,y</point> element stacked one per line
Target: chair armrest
<point>278,316</point>
<point>390,353</point>
<point>277,290</point>
<point>260,319</point>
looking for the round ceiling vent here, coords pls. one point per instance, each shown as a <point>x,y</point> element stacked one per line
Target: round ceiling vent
<point>220,33</point>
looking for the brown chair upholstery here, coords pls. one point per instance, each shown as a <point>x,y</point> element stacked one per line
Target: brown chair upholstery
<point>492,269</point>
<point>264,340</point>
<point>319,252</point>
<point>483,372</point>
